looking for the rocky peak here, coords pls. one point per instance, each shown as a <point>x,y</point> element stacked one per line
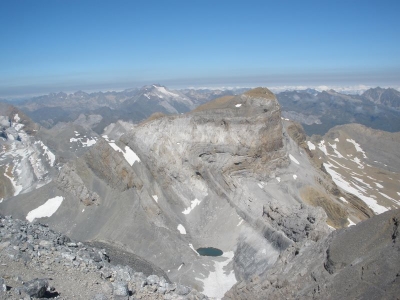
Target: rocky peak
<point>388,97</point>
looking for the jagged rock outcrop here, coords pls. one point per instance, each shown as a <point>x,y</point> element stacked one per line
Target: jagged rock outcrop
<point>360,262</point>
<point>112,167</point>
<point>72,183</point>
<point>71,270</point>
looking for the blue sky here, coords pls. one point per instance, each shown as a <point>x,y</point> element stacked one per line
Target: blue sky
<point>48,46</point>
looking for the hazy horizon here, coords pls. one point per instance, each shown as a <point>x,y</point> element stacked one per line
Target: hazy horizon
<point>52,46</point>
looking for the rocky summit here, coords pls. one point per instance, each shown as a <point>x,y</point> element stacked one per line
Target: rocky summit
<point>37,262</point>
<point>230,199</point>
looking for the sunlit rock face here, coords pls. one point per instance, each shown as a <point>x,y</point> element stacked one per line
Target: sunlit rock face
<point>219,168</point>
<point>228,175</point>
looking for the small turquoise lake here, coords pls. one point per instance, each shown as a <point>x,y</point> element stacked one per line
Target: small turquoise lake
<point>209,251</point>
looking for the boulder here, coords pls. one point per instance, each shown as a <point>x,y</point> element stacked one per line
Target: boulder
<point>35,288</point>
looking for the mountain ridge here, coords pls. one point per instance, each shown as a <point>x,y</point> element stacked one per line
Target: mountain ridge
<point>234,175</point>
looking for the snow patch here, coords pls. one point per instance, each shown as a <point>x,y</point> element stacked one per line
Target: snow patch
<point>51,157</point>
<point>344,200</point>
<point>191,247</point>
<point>88,142</point>
<point>322,147</point>
<point>220,281</point>
<point>310,145</point>
<point>128,154</point>
<point>17,188</point>
<point>240,223</point>
<point>45,210</point>
<point>358,148</point>
<point>162,90</point>
<point>362,181</point>
<point>278,178</point>
<point>358,162</point>
<point>379,185</point>
<point>331,227</point>
<point>155,197</point>
<point>193,204</point>
<point>339,164</point>
<point>294,176</point>
<point>342,183</point>
<point>181,229</point>
<point>339,155</point>
<point>238,105</point>
<point>293,159</point>
<point>18,126</point>
<point>351,223</point>
<point>390,198</point>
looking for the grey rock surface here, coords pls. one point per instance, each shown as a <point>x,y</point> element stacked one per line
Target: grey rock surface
<point>68,269</point>
<point>231,175</point>
<point>35,288</point>
<point>360,262</point>
<point>219,176</point>
<point>120,289</point>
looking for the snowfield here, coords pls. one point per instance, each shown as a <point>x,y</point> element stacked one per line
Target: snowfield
<point>355,190</point>
<point>220,281</point>
<point>45,210</point>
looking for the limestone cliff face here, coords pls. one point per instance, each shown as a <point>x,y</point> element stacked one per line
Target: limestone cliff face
<point>225,153</point>
<point>226,175</point>
<point>70,181</point>
<point>111,166</point>
<point>242,136</point>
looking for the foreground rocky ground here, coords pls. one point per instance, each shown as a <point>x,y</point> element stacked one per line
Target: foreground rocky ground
<point>37,262</point>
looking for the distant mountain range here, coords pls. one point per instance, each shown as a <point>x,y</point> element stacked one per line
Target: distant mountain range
<point>233,174</point>
<point>320,111</point>
<point>132,105</point>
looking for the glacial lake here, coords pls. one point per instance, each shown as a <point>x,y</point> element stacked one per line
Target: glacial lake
<point>209,251</point>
